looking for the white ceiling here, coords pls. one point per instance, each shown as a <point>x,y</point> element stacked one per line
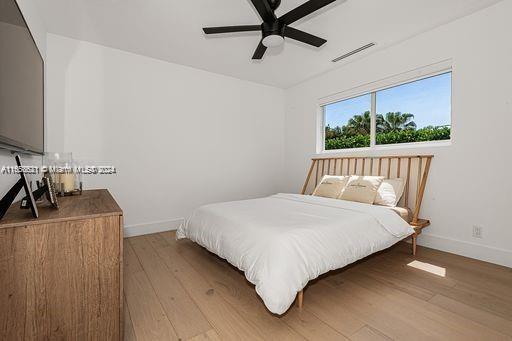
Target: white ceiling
<point>171,30</point>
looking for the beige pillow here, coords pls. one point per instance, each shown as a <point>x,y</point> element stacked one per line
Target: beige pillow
<point>331,186</point>
<point>390,192</point>
<point>362,188</point>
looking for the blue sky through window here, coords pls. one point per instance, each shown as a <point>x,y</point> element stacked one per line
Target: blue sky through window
<point>337,114</point>
<point>429,100</point>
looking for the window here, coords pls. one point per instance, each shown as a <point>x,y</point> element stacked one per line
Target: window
<point>415,112</point>
<point>348,123</point>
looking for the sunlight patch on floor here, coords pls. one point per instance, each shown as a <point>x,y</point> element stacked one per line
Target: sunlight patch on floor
<point>433,269</point>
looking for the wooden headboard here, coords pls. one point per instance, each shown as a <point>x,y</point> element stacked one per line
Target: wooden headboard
<point>412,168</point>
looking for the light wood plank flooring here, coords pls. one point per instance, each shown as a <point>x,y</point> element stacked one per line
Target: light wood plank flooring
<point>177,290</point>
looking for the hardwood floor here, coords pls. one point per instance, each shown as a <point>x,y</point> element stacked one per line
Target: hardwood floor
<point>178,290</point>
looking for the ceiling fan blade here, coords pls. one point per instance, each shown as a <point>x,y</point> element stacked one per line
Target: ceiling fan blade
<point>260,51</point>
<point>231,29</point>
<point>304,37</point>
<point>264,10</point>
<point>304,10</point>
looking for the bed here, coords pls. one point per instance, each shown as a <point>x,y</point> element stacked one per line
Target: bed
<point>283,241</point>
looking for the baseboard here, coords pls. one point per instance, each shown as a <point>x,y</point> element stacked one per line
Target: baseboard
<point>154,227</point>
<point>467,249</point>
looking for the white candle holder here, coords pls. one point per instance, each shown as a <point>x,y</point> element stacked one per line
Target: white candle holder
<point>62,168</point>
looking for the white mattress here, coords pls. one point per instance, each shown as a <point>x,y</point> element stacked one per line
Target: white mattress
<point>283,241</point>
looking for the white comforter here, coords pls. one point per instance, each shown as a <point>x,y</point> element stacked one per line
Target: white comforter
<point>283,241</point>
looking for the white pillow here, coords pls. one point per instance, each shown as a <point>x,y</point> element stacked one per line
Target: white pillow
<point>390,192</point>
<point>331,186</point>
<point>361,188</point>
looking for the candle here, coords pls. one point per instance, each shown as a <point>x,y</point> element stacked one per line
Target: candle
<point>67,181</point>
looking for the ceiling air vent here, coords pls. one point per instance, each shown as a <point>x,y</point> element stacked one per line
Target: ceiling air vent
<point>346,55</point>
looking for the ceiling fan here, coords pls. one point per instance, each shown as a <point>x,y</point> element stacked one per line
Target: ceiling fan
<point>275,29</point>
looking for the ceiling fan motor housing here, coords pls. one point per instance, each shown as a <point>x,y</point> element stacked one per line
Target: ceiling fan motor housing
<point>274,28</point>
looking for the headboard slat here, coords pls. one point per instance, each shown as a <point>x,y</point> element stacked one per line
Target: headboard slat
<point>317,166</point>
<point>420,166</point>
<point>310,171</point>
<point>407,181</point>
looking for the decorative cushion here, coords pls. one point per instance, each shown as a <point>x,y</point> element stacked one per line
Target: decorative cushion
<point>331,186</point>
<point>390,192</point>
<point>362,188</point>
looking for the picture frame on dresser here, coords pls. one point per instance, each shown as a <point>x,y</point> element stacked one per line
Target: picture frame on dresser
<point>11,195</point>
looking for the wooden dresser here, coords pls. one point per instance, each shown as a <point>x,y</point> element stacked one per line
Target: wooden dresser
<point>61,274</point>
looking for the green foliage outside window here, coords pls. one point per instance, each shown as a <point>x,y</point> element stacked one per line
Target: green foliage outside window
<point>393,127</point>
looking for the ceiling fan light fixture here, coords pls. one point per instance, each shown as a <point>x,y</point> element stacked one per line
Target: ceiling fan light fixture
<point>273,40</point>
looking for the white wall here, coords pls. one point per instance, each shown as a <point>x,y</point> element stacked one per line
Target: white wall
<point>38,29</point>
<point>468,184</point>
<point>180,137</point>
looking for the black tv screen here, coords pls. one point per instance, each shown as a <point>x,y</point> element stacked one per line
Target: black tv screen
<point>21,83</point>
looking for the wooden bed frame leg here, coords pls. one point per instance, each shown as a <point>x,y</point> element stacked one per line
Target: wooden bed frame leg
<point>300,299</point>
<point>414,236</point>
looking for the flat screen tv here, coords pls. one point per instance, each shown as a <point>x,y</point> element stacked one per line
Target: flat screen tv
<point>21,84</point>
